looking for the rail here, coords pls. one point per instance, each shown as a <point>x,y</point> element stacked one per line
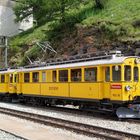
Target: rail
<point>84,129</point>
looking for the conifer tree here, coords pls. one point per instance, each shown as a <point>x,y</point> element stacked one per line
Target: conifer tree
<point>43,9</point>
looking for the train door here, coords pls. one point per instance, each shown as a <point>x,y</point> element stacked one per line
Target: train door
<point>106,83</point>
<point>12,83</point>
<point>131,76</point>
<point>18,81</point>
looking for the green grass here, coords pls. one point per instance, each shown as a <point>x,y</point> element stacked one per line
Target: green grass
<point>121,13</point>
<point>116,11</point>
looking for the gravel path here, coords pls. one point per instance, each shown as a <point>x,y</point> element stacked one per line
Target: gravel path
<point>117,125</point>
<point>7,136</point>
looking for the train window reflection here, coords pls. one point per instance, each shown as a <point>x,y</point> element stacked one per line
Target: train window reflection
<point>26,77</point>
<point>91,74</point>
<point>136,74</point>
<point>16,78</point>
<point>11,78</point>
<point>43,76</point>
<point>2,78</point>
<point>107,74</point>
<point>116,73</point>
<point>54,76</point>
<point>63,75</point>
<point>127,73</point>
<point>76,75</point>
<point>35,77</point>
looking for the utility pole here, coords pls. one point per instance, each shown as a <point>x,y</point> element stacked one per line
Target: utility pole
<point>6,50</point>
<point>4,45</point>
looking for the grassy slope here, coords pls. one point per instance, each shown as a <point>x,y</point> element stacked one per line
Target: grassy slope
<point>116,20</point>
<point>123,13</point>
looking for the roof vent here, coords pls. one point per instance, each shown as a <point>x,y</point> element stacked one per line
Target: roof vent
<point>114,52</point>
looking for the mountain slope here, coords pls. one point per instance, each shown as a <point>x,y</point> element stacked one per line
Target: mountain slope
<point>86,28</point>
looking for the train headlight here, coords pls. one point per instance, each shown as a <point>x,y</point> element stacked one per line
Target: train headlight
<point>127,88</point>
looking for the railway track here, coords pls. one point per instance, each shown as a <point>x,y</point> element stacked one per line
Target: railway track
<point>84,129</point>
<point>93,113</point>
<point>133,121</point>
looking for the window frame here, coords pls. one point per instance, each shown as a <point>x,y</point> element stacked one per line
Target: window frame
<point>95,76</point>
<point>1,78</point>
<point>36,79</point>
<point>135,73</point>
<point>107,79</point>
<point>130,73</point>
<point>118,80</point>
<point>11,76</point>
<point>54,77</point>
<point>43,79</point>
<point>16,78</point>
<point>67,77</point>
<point>28,78</point>
<point>80,78</point>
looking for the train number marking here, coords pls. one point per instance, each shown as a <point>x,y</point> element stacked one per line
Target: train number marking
<point>53,88</point>
<point>116,95</point>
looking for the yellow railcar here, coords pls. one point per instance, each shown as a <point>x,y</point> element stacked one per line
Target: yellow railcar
<point>108,83</point>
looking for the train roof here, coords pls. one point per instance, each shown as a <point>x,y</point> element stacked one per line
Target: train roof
<point>8,71</point>
<point>112,60</point>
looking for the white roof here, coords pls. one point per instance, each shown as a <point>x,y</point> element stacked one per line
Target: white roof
<point>9,71</point>
<point>114,60</point>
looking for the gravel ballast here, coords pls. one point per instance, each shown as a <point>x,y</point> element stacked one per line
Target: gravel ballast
<point>112,124</point>
<point>7,136</point>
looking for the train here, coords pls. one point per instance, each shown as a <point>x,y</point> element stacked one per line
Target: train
<point>109,82</point>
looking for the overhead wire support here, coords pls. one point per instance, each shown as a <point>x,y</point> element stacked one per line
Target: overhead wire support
<point>45,45</point>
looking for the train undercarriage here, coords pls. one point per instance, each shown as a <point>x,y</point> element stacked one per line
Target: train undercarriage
<point>121,109</point>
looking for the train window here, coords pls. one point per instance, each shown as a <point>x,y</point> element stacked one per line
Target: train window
<point>35,78</point>
<point>91,74</point>
<point>116,73</point>
<point>76,75</point>
<point>26,77</point>
<point>54,76</point>
<point>136,74</point>
<point>107,74</point>
<point>2,78</point>
<point>43,76</point>
<point>16,79</point>
<point>11,78</point>
<point>63,75</point>
<point>127,73</point>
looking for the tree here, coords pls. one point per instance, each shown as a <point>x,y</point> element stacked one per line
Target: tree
<point>62,6</point>
<point>43,9</point>
<point>26,8</point>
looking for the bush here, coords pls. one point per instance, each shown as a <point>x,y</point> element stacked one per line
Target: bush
<point>113,30</point>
